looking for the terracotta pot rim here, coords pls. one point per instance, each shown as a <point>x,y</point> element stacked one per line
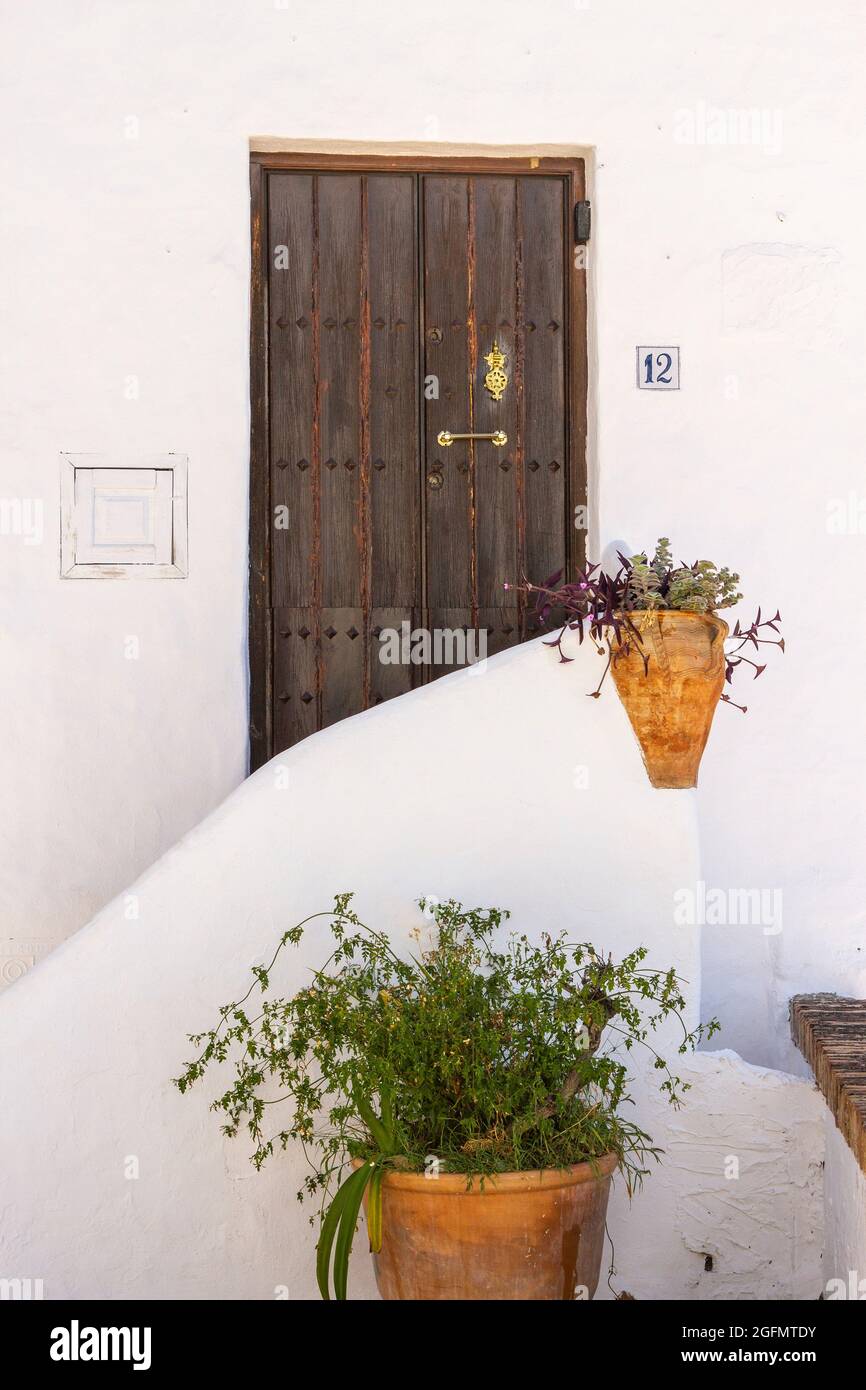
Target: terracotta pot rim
<point>534,1179</point>
<point>674,613</point>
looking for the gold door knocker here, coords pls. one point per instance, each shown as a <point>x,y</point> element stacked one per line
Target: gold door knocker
<point>496,380</point>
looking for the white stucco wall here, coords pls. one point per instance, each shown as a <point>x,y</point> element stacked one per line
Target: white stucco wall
<point>844,1219</point>
<point>735,1209</point>
<point>463,788</point>
<point>124,248</point>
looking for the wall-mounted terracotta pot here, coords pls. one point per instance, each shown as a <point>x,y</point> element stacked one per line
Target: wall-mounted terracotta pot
<point>671,699</point>
<point>537,1235</point>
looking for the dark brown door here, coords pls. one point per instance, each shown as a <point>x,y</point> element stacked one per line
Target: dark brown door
<point>378,296</point>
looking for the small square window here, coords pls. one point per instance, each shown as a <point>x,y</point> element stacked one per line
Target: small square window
<point>123,519</point>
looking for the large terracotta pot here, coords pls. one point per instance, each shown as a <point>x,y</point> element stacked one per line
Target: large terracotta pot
<point>671,698</point>
<point>536,1235</point>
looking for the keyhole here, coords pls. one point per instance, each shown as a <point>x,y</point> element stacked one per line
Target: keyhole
<point>435,480</point>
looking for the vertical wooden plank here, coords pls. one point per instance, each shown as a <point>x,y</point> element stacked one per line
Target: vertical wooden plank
<point>446,310</point>
<point>343,367</point>
<point>294,481</point>
<point>448,481</point>
<point>293,258</point>
<point>578,375</point>
<point>339,385</point>
<point>497,307</point>
<point>472,371</point>
<point>394,473</point>
<point>497,470</point>
<point>365,367</point>
<point>546,319</point>
<point>260,648</point>
<point>519,366</point>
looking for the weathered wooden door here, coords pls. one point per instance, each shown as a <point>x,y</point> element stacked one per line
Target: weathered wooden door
<point>378,297</point>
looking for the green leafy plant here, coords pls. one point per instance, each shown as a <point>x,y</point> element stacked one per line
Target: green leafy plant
<point>482,1050</point>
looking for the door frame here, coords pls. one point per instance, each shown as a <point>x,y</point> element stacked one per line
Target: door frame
<point>573,171</point>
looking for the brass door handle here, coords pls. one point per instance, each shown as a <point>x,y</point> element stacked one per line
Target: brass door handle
<point>446,438</point>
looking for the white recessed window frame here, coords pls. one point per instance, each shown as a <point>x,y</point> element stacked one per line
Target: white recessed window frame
<point>123,518</point>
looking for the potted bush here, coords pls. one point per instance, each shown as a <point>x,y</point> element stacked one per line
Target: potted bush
<point>466,1092</point>
<point>658,624</point>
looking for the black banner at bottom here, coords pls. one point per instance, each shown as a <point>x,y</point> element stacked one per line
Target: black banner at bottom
<point>250,1339</point>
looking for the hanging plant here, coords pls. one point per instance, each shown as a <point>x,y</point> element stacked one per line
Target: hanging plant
<point>656,622</point>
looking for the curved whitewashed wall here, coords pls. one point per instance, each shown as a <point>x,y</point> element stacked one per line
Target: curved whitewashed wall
<point>469,787</point>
